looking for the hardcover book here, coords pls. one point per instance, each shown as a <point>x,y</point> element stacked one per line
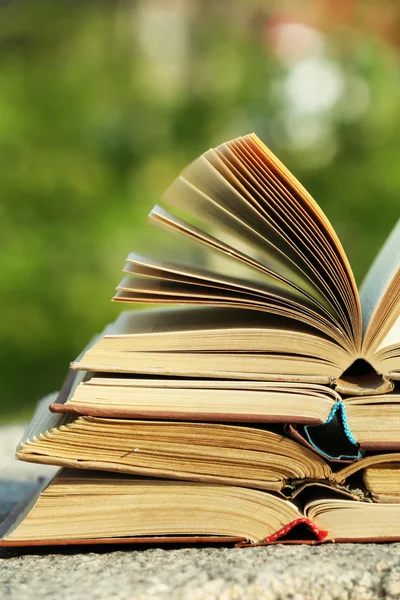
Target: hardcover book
<point>276,297</point>
<point>101,508</point>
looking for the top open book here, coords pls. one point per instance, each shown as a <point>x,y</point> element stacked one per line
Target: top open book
<point>266,247</point>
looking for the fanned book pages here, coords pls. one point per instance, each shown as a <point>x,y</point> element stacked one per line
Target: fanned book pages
<point>276,297</point>
<point>103,508</point>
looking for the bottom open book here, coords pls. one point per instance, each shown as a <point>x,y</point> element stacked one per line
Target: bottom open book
<point>78,507</point>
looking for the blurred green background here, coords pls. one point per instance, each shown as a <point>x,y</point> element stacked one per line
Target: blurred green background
<point>102,103</point>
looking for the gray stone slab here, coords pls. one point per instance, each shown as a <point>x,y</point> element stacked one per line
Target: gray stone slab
<point>346,571</point>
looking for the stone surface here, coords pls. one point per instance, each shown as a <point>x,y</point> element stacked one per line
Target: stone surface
<point>346,571</point>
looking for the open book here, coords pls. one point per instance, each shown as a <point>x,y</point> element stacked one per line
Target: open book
<point>276,296</point>
<point>97,507</point>
<point>350,426</point>
<point>261,457</point>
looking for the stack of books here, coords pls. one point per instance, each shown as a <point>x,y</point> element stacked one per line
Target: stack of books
<point>261,407</point>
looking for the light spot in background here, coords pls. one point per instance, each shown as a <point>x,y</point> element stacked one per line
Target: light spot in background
<point>161,31</point>
<point>294,42</point>
<point>314,85</point>
<point>309,93</point>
